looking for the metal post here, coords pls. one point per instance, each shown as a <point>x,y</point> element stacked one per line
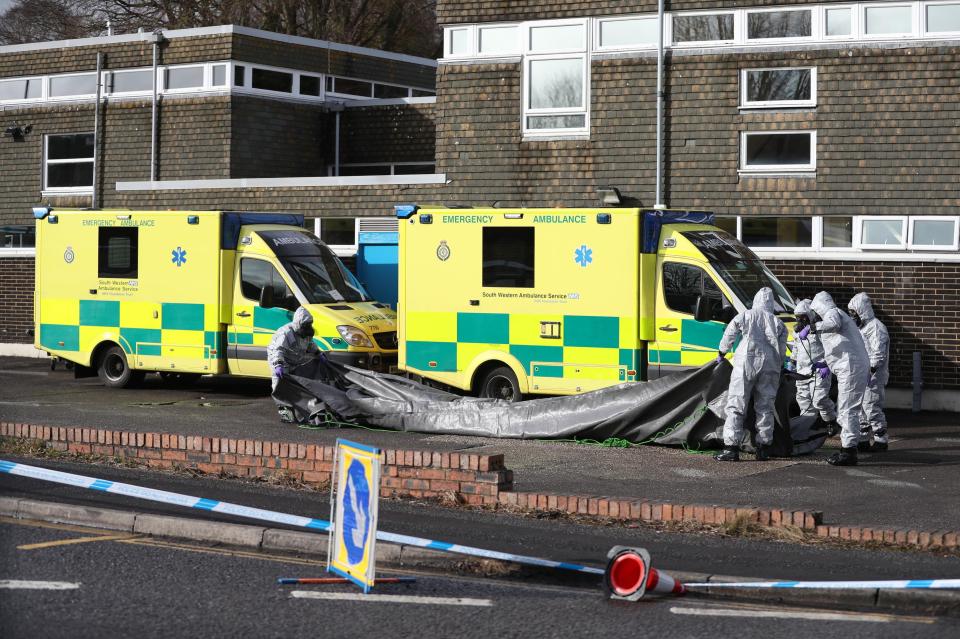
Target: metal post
<point>658,201</point>
<point>153,112</point>
<point>336,145</point>
<point>94,200</point>
<point>917,382</point>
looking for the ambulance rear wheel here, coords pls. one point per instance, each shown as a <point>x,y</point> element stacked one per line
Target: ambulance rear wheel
<point>501,383</point>
<point>115,371</point>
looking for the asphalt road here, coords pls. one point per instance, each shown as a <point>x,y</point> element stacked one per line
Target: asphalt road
<point>149,588</point>
<point>562,540</point>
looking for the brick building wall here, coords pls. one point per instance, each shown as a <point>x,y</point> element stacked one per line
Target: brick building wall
<point>919,303</point>
<point>388,134</point>
<point>16,282</point>
<point>274,138</point>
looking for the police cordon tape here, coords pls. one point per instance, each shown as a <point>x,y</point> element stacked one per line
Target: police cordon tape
<point>889,584</point>
<point>226,508</point>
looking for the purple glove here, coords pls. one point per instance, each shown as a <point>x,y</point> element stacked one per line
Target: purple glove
<point>278,371</point>
<point>720,357</point>
<point>822,370</point>
<point>804,332</point>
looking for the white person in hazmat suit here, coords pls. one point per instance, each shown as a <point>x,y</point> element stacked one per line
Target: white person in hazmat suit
<point>877,340</point>
<point>846,357</point>
<point>757,365</point>
<point>292,346</point>
<point>813,394</point>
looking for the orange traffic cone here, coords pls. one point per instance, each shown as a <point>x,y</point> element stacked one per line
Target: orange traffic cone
<point>630,576</point>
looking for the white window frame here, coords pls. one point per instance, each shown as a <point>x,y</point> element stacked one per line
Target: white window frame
<point>915,11</point>
<point>779,249</point>
<point>248,80</point>
<point>854,23</point>
<point>518,45</point>
<point>61,190</point>
<point>668,35</point>
<point>819,228</point>
<point>926,27</point>
<point>934,218</point>
<point>598,42</point>
<point>107,80</point>
<point>168,91</point>
<point>814,26</point>
<point>48,94</point>
<point>471,31</point>
<point>43,89</point>
<point>770,104</point>
<point>349,96</point>
<point>340,250</point>
<point>858,232</point>
<point>776,169</point>
<point>578,53</point>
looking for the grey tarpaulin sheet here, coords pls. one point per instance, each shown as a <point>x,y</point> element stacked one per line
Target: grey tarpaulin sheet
<point>682,409</point>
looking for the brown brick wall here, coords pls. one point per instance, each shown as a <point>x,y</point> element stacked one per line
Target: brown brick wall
<point>274,138</point>
<point>919,303</point>
<point>388,134</point>
<point>16,283</point>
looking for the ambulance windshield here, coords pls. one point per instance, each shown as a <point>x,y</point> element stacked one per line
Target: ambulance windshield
<point>739,267</point>
<point>318,273</point>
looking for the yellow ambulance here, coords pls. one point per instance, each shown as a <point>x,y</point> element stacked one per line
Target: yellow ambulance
<point>507,302</point>
<point>187,293</point>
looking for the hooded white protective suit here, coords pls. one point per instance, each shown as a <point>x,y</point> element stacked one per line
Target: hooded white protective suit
<point>846,356</point>
<point>813,393</point>
<point>756,368</point>
<point>292,344</point>
<point>877,340</point>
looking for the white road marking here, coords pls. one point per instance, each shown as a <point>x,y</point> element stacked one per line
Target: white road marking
<point>400,599</point>
<point>16,584</point>
<point>791,614</point>
<point>28,373</point>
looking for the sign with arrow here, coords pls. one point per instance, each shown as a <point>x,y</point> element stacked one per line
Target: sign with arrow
<point>356,490</point>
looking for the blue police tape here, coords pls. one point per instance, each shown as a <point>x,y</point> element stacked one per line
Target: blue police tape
<point>187,501</point>
<point>933,584</point>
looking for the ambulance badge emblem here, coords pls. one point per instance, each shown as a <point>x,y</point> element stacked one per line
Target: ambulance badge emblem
<point>443,251</point>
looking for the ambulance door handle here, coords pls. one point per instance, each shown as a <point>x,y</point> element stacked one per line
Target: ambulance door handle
<point>474,302</point>
<point>243,314</point>
<point>668,329</point>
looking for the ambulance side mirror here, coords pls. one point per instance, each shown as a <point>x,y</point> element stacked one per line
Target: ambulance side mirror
<point>266,297</point>
<point>702,311</point>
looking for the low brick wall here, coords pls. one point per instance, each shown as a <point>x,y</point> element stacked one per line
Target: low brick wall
<point>471,479</point>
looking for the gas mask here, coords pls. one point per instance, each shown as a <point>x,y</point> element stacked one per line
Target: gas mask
<point>307,330</point>
<point>856,318</point>
<point>802,320</point>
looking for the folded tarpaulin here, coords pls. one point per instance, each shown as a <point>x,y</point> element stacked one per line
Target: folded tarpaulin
<point>685,409</point>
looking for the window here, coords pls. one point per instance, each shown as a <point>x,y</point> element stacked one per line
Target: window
<point>18,236</point>
<point>413,169</point>
<point>728,224</point>
<point>339,233</point>
<point>22,89</point>
<point>309,85</point>
<point>888,20</point>
<point>778,87</point>
<point>555,86</point>
<point>883,232</point>
<point>183,78</point>
<point>933,233</point>
<point>388,91</point>
<point>703,28</point>
<point>839,22</point>
<point>459,42</point>
<point>683,284</point>
<point>268,80</point>
<point>626,33</point>
<point>779,24</point>
<point>779,151</point>
<point>239,75</point>
<point>498,40</point>
<point>508,257</point>
<point>71,85</point>
<point>117,252</point>
<point>256,274</point>
<point>131,81</point>
<point>943,18</point>
<point>777,232</point>
<point>424,93</point>
<point>68,162</point>
<point>837,232</point>
<point>346,86</point>
<point>219,75</point>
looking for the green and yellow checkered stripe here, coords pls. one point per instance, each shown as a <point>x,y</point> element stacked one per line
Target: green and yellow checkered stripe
<point>589,347</point>
<point>164,335</point>
<point>698,342</point>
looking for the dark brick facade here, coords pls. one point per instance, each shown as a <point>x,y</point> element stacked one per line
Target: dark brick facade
<point>388,134</point>
<point>16,282</point>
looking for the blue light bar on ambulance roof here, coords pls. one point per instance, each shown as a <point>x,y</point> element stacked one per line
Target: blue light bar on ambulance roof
<point>405,211</point>
<point>654,220</point>
<point>40,212</point>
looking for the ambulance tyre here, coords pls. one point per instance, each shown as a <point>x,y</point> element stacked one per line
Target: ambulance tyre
<point>115,371</point>
<point>501,383</point>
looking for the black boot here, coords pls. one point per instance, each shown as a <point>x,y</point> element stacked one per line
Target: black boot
<point>762,454</point>
<point>846,457</point>
<point>864,446</point>
<point>878,447</point>
<point>833,428</point>
<point>730,453</point>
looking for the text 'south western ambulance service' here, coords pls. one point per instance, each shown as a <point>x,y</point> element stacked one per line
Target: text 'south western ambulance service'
<point>505,302</point>
<point>189,293</point>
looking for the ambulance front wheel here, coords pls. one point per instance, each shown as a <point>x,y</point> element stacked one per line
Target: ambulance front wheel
<point>115,371</point>
<point>501,383</point>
